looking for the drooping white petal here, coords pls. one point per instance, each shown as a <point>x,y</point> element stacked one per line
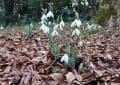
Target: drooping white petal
<point>1,27</point>
<point>50,14</point>
<point>54,33</point>
<point>62,25</point>
<point>99,27</point>
<point>49,22</point>
<point>65,58</point>
<point>73,24</point>
<point>76,32</point>
<point>94,26</point>
<point>89,27</point>
<point>86,3</point>
<point>76,23</point>
<point>44,17</point>
<point>56,27</point>
<point>44,28</point>
<point>31,25</point>
<point>61,28</point>
<point>82,3</point>
<point>79,23</point>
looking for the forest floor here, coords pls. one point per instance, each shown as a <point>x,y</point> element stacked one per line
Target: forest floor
<point>29,60</point>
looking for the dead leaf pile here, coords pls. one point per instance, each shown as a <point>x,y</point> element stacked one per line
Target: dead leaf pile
<point>29,61</point>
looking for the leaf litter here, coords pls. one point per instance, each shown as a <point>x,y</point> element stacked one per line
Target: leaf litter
<point>29,61</point>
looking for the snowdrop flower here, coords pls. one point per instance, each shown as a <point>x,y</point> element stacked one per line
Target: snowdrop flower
<point>44,28</point>
<point>82,3</point>
<point>90,6</point>
<point>62,25</point>
<point>89,27</point>
<point>56,27</point>
<point>94,26</point>
<point>99,27</point>
<point>86,3</point>
<point>44,17</point>
<point>49,23</point>
<point>50,14</point>
<point>76,23</point>
<point>54,33</point>
<point>76,32</point>
<point>31,25</point>
<point>1,27</point>
<point>65,59</point>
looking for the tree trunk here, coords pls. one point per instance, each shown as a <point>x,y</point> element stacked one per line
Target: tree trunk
<point>117,8</point>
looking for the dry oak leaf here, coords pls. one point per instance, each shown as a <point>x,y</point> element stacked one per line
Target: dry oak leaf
<point>57,77</point>
<point>70,77</point>
<point>113,83</point>
<point>99,73</point>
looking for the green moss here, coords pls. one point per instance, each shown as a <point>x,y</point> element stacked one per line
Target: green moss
<point>106,10</point>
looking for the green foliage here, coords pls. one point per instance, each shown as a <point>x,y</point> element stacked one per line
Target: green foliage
<point>85,67</point>
<point>92,31</point>
<point>31,10</point>
<point>73,58</point>
<point>29,30</point>
<point>54,46</point>
<point>56,70</point>
<point>72,62</point>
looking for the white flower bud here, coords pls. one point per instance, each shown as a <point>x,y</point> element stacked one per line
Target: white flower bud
<point>50,14</point>
<point>54,33</point>
<point>76,23</point>
<point>44,28</point>
<point>65,59</point>
<point>44,17</point>
<point>76,32</point>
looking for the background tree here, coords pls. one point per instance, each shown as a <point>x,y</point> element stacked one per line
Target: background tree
<point>25,11</point>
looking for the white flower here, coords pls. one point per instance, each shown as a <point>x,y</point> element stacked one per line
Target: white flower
<point>44,28</point>
<point>76,32</point>
<point>54,33</point>
<point>44,17</point>
<point>89,27</point>
<point>86,3</point>
<point>49,22</point>
<point>82,3</point>
<point>99,27</point>
<point>62,25</point>
<point>89,6</point>
<point>56,27</point>
<point>1,27</point>
<point>76,23</point>
<point>31,25</point>
<point>65,59</point>
<point>50,14</point>
<point>94,26</point>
